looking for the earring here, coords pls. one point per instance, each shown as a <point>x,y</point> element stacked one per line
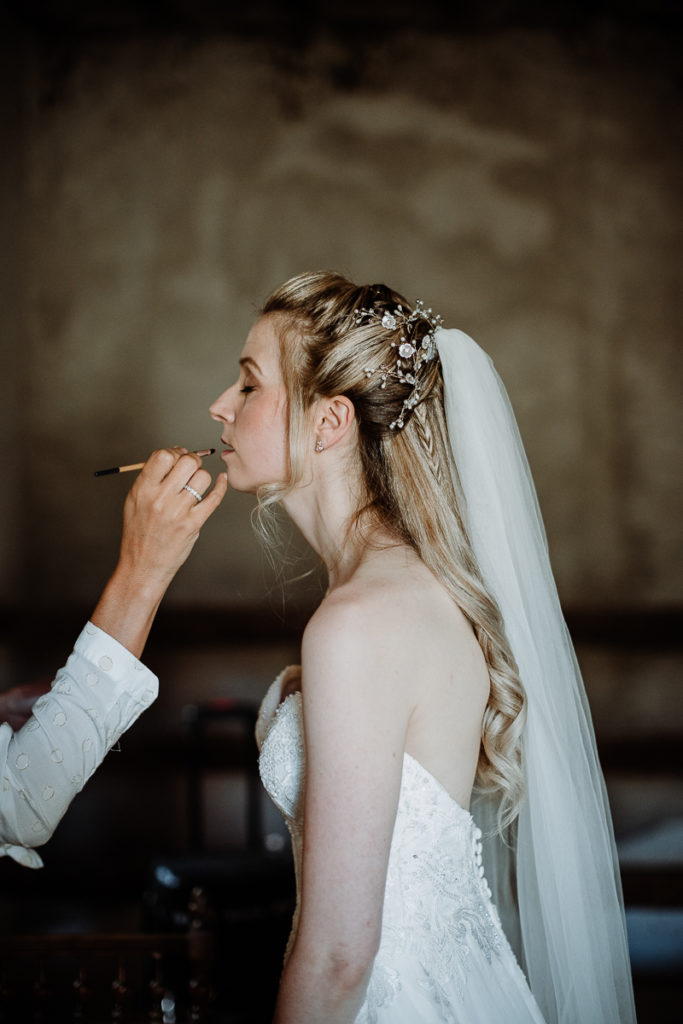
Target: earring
<point>319,446</point>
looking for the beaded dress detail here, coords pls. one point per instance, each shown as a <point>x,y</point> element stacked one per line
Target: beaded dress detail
<point>443,956</point>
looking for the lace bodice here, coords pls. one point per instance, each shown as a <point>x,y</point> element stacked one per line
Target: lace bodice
<point>437,907</point>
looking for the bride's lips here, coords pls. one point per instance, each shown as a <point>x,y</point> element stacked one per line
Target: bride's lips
<point>227,450</point>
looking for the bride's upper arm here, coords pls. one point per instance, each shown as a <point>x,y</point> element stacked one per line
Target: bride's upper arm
<point>355,720</point>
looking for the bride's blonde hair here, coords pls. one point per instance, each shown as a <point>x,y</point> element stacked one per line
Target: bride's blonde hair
<point>410,482</point>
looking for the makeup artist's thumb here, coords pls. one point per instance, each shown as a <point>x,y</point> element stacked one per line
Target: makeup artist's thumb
<point>210,502</point>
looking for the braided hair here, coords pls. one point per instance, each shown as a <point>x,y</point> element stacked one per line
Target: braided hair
<point>338,338</point>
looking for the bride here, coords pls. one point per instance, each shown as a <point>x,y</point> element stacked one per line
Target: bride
<point>433,755</point>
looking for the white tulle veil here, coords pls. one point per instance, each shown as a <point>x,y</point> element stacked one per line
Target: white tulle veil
<point>557,883</point>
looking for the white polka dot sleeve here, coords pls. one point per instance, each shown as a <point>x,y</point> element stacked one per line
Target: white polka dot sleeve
<point>98,694</point>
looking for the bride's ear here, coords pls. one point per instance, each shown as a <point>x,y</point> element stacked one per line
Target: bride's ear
<point>334,418</point>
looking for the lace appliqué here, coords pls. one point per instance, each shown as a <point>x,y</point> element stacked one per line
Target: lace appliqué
<point>282,766</point>
<point>438,912</point>
<point>282,762</point>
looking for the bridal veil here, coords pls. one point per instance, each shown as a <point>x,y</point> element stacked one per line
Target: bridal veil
<point>555,879</point>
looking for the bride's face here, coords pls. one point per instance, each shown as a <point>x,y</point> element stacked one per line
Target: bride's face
<point>253,414</point>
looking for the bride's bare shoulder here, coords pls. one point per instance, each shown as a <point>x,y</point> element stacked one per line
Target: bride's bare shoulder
<point>343,616</point>
<point>383,613</point>
<point>352,656</point>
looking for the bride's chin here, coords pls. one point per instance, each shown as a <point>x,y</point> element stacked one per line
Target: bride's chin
<point>241,488</point>
<point>236,482</point>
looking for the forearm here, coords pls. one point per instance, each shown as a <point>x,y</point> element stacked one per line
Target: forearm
<point>162,520</point>
<point>127,607</point>
<point>99,693</point>
<point>320,989</point>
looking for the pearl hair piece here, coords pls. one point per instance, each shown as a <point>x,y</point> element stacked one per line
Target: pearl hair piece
<point>410,356</point>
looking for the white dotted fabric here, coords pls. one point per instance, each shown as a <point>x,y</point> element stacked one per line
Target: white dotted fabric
<point>98,694</point>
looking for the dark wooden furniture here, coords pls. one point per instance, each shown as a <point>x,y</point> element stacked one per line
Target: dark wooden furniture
<point>95,978</point>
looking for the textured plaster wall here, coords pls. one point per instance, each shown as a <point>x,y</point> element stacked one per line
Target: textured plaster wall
<point>12,325</point>
<point>522,184</point>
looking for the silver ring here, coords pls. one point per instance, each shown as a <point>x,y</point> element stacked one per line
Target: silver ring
<point>195,494</point>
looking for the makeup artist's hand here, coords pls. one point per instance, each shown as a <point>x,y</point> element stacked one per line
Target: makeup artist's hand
<point>16,704</point>
<point>162,518</point>
<point>161,522</point>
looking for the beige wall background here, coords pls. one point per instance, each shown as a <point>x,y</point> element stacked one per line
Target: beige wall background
<point>157,185</point>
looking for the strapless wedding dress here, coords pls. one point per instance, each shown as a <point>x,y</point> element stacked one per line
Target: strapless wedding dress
<point>443,956</point>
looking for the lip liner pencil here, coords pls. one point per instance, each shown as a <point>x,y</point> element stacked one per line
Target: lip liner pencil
<point>139,465</point>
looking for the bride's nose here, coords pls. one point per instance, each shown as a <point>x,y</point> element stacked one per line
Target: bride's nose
<point>221,409</point>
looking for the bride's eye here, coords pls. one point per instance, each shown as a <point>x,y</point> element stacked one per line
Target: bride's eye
<point>246,389</point>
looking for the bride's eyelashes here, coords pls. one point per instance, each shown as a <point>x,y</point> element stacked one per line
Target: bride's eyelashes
<point>247,389</point>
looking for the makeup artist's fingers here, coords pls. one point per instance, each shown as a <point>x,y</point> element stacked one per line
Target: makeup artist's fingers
<point>185,466</point>
<point>188,469</point>
<point>200,481</point>
<point>160,463</point>
<point>162,520</point>
<point>167,470</point>
<point>161,488</point>
<point>160,492</point>
<point>212,500</point>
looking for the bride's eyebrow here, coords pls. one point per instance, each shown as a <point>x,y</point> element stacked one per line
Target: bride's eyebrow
<point>247,362</point>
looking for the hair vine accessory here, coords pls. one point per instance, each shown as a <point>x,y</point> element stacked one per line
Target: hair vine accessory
<point>411,356</point>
